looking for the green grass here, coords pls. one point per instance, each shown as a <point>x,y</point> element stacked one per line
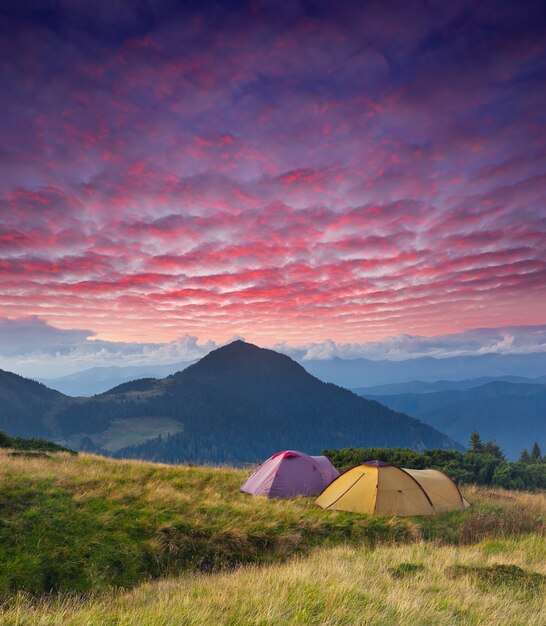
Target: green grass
<point>124,432</point>
<point>86,523</point>
<point>339,586</point>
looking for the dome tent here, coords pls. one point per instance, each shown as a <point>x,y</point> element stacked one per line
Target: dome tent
<point>383,489</point>
<point>291,473</point>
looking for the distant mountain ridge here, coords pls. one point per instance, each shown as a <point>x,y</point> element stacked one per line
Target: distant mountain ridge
<point>238,403</point>
<point>350,373</point>
<point>513,414</point>
<point>96,380</point>
<point>356,373</point>
<point>420,386</point>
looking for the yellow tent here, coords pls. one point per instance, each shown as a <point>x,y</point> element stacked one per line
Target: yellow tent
<point>383,489</point>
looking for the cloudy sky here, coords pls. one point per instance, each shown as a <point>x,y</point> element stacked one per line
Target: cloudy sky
<point>292,172</point>
<point>31,347</point>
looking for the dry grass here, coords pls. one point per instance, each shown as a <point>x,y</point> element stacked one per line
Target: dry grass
<point>90,524</point>
<point>338,586</point>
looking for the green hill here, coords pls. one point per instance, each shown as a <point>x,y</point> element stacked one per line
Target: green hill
<point>85,523</point>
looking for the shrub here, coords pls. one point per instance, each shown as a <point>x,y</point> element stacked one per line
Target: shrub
<point>471,467</point>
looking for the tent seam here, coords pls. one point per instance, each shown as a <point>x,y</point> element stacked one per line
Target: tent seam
<point>420,487</point>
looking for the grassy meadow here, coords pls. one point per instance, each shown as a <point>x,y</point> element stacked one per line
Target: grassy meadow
<point>392,585</point>
<point>128,542</point>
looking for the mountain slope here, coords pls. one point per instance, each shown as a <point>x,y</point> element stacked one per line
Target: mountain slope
<point>26,406</point>
<point>512,414</point>
<point>261,401</point>
<point>239,403</point>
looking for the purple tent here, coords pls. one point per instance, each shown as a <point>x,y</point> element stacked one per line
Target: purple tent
<point>291,473</point>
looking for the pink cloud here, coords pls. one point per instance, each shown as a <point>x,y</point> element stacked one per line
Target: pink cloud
<point>290,174</point>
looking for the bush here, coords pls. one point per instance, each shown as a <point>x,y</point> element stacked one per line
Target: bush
<point>520,476</point>
<point>471,467</point>
<point>18,443</point>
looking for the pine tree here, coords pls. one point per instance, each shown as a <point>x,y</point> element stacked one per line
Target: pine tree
<point>492,448</point>
<point>524,457</point>
<point>475,444</point>
<point>535,453</point>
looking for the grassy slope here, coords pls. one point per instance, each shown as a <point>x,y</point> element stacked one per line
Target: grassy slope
<point>332,586</point>
<point>132,432</point>
<point>86,523</point>
<point>89,522</point>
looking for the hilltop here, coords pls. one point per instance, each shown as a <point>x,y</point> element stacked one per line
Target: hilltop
<point>239,403</point>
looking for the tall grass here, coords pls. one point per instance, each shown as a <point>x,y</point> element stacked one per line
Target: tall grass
<point>86,523</point>
<point>332,586</point>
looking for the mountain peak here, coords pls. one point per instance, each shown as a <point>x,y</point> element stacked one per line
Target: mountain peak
<point>238,403</point>
<point>240,358</point>
<point>239,346</point>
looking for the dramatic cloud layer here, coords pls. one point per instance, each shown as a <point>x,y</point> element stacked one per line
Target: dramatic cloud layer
<point>282,170</point>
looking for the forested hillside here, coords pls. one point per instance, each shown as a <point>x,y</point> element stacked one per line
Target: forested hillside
<point>240,403</point>
<point>262,401</point>
<point>26,406</point>
<point>510,413</point>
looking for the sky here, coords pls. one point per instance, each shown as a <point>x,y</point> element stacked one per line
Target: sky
<point>294,173</point>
